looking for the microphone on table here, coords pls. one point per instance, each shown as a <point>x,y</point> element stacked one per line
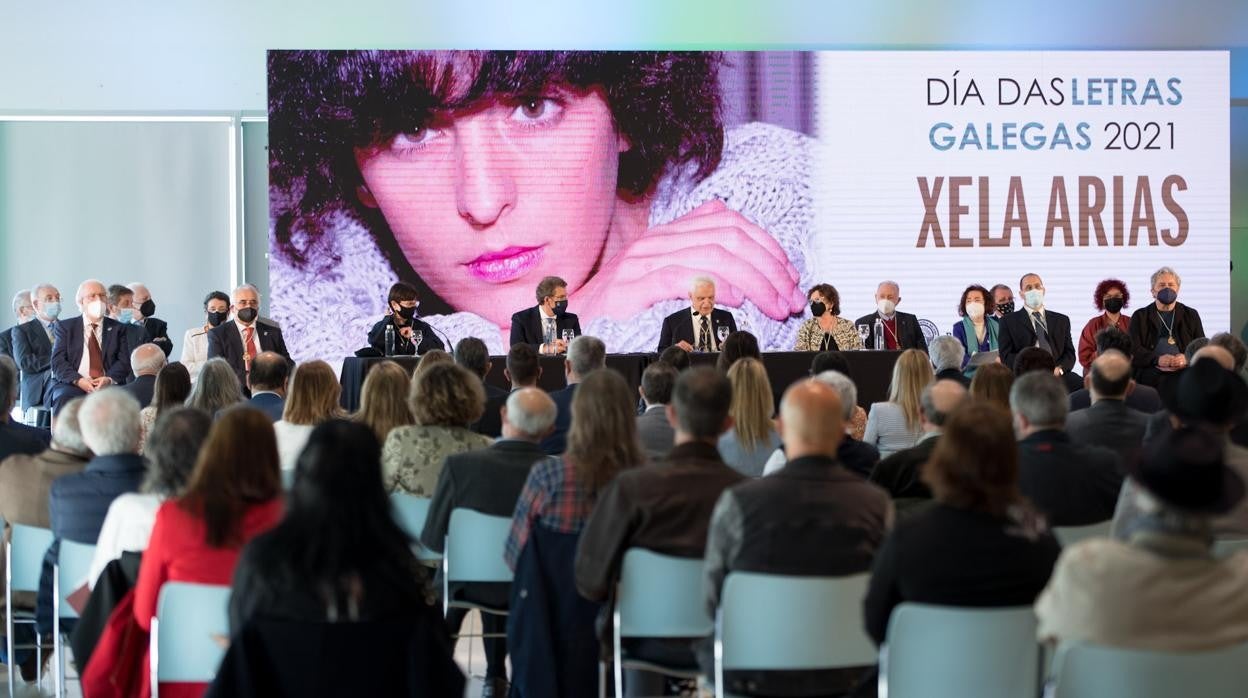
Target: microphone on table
<point>441,334</point>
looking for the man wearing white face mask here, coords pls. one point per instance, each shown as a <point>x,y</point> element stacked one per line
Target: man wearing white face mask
<point>89,352</point>
<point>32,346</point>
<point>901,330</point>
<point>1034,325</point>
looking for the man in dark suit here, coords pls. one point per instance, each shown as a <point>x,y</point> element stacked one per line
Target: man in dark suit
<point>1109,422</point>
<point>15,437</point>
<point>268,376</point>
<point>901,330</point>
<point>490,481</point>
<point>899,473</point>
<point>472,354</point>
<point>156,331</point>
<point>1140,397</point>
<point>241,340</point>
<point>89,352</point>
<point>32,347</point>
<point>23,311</point>
<point>543,325</point>
<point>1073,484</point>
<point>653,429</point>
<point>697,328</point>
<point>585,354</point>
<point>1036,326</point>
<point>145,361</point>
<point>121,308</point>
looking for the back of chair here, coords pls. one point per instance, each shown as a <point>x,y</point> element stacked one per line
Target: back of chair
<point>474,547</point>
<point>1069,535</point>
<point>72,566</point>
<point>25,553</point>
<point>410,512</point>
<point>947,652</point>
<point>1226,547</point>
<point>182,644</point>
<point>1092,671</point>
<point>661,596</point>
<point>777,622</point>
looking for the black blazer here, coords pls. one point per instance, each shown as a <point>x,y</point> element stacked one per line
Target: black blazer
<point>1109,423</point>
<point>1073,484</point>
<point>67,350</point>
<point>909,333</point>
<point>1017,333</point>
<point>271,404</point>
<point>6,341</point>
<point>226,341</point>
<point>402,346</point>
<point>156,331</point>
<point>1146,329</point>
<point>141,388</point>
<point>32,350</point>
<point>679,326</point>
<point>491,422</point>
<point>526,326</point>
<point>558,439</point>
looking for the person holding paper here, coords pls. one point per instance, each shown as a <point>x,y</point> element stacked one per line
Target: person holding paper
<point>977,321</point>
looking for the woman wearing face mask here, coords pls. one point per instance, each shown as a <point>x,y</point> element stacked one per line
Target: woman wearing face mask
<point>1161,330</point>
<point>195,341</point>
<point>1110,296</point>
<point>411,334</point>
<point>827,330</point>
<point>978,331</point>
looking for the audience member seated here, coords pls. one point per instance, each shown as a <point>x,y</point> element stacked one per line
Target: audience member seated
<point>175,442</point>
<point>737,345</point>
<point>666,509</point>
<point>313,398</point>
<point>1072,484</point>
<point>524,367</point>
<point>146,361</point>
<point>813,517</point>
<point>655,432</point>
<point>835,361</point>
<point>1162,589</point>
<point>89,352</point>
<point>894,425</point>
<point>431,358</point>
<point>992,384</point>
<point>901,473</point>
<point>472,354</point>
<point>337,557</point>
<point>173,386</point>
<point>121,308</point>
<point>383,399</point>
<point>747,445</point>
<point>1033,359</point>
<point>217,388</point>
<point>947,354</point>
<point>1233,344</point>
<point>267,380</point>
<point>676,357</point>
<point>1109,422</point>
<point>1139,397</point>
<point>195,341</point>
<point>980,544</point>
<point>1162,422</point>
<point>32,347</point>
<point>445,398</point>
<point>857,457</point>
<point>15,437</point>
<point>586,354</point>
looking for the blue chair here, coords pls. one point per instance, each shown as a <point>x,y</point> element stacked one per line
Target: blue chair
<point>182,646</point>
<point>473,552</point>
<point>1069,535</point>
<point>1092,671</point>
<point>947,652</point>
<point>790,623</point>
<point>73,564</point>
<point>23,561</point>
<point>411,511</point>
<point>658,596</point>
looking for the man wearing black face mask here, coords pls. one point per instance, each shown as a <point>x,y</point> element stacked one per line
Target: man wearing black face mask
<point>543,325</point>
<point>1003,299</point>
<point>239,342</point>
<point>408,328</point>
<point>1161,331</point>
<point>156,331</point>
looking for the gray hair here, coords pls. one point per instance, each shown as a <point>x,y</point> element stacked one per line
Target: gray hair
<point>66,433</point>
<point>700,280</point>
<point>34,291</point>
<point>172,449</point>
<point>1041,398</point>
<point>888,282</point>
<point>240,287</point>
<point>586,354</point>
<point>531,411</point>
<point>147,360</point>
<point>109,420</point>
<point>82,286</point>
<point>8,383</point>
<point>20,299</point>
<point>217,387</point>
<point>946,352</point>
<point>135,286</point>
<point>845,387</point>
<point>1152,280</point>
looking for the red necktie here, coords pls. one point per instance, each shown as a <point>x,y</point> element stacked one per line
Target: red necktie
<point>248,348</point>
<point>95,357</point>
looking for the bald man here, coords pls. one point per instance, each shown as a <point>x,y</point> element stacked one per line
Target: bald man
<point>146,361</point>
<point>1109,422</point>
<point>899,473</point>
<point>812,517</point>
<point>89,352</point>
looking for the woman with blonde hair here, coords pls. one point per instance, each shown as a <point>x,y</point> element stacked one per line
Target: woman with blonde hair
<point>896,424</point>
<point>433,357</point>
<point>383,399</point>
<point>445,400</point>
<point>752,439</point>
<point>312,399</point>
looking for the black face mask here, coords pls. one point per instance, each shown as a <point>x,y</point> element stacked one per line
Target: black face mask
<point>148,308</point>
<point>817,308</point>
<point>561,307</point>
<point>247,315</point>
<point>405,313</point>
<point>1005,308</point>
<point>217,317</point>
<point>1113,305</point>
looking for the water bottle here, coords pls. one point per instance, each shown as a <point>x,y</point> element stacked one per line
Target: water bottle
<point>879,334</point>
<point>389,340</point>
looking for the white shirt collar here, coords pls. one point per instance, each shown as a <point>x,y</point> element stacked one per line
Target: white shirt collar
<point>546,313</point>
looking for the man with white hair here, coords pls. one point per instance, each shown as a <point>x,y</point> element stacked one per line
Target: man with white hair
<point>240,340</point>
<point>856,455</point>
<point>901,330</point>
<point>15,437</point>
<point>698,328</point>
<point>146,361</point>
<point>26,479</point>
<point>32,346</point>
<point>23,311</point>
<point>89,352</point>
<point>490,481</point>
<point>156,331</point>
<point>946,354</point>
<point>585,354</point>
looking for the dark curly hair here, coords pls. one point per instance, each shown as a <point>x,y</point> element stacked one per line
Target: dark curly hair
<point>1098,296</point>
<point>324,104</point>
<point>828,291</point>
<point>989,304</point>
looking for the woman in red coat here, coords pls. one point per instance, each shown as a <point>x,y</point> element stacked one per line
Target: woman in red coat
<point>1111,297</point>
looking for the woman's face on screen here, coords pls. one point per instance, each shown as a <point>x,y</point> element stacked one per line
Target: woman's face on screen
<point>486,201</point>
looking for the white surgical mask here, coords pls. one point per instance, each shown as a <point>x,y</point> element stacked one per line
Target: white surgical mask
<point>975,310</point>
<point>1034,298</point>
<point>885,306</point>
<point>95,309</point>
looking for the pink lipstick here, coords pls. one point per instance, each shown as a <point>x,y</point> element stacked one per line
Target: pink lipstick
<point>504,265</point>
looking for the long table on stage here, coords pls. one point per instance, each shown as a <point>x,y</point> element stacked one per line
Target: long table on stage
<point>872,371</point>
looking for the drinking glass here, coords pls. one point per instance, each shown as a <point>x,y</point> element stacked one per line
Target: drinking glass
<point>722,333</point>
<point>864,331</point>
<point>417,336</point>
<point>568,336</point>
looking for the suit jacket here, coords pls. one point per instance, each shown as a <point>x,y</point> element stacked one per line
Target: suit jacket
<point>402,346</point>
<point>78,503</point>
<point>953,374</point>
<point>6,341</point>
<point>141,388</point>
<point>1108,423</point>
<point>16,438</point>
<point>557,442</point>
<point>899,473</point>
<point>271,404</point>
<point>1073,484</point>
<point>491,422</point>
<point>678,327</point>
<point>909,333</point>
<point>32,350</point>
<point>67,350</point>
<point>156,331</point>
<point>1144,398</point>
<point>526,326</point>
<point>654,432</point>
<point>1017,333</point>
<point>225,341</point>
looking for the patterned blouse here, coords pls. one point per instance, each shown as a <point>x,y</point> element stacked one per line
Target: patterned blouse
<point>412,457</point>
<point>810,335</point>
